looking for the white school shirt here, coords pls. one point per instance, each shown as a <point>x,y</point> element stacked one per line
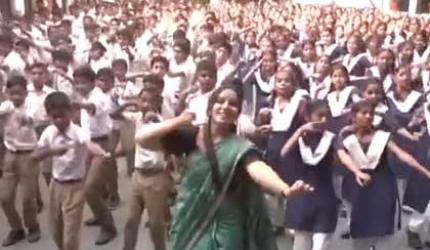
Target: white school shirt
<point>19,131</point>
<point>99,124</point>
<point>102,62</point>
<point>150,157</point>
<point>72,164</point>
<point>15,62</point>
<point>223,72</point>
<point>198,104</point>
<point>36,99</point>
<point>188,67</point>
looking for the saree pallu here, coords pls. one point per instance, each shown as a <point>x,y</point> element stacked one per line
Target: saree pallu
<point>240,222</point>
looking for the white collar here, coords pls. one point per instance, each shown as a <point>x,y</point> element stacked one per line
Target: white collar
<point>313,158</point>
<point>266,87</point>
<point>406,105</point>
<point>282,120</point>
<point>370,159</point>
<point>337,105</point>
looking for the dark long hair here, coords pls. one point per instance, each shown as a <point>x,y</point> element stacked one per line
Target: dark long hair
<point>236,86</point>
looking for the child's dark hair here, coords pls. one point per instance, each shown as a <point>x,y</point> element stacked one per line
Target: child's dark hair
<point>356,107</point>
<point>154,80</point>
<point>85,72</point>
<point>38,65</point>
<point>308,42</point>
<point>184,45</point>
<point>120,62</point>
<point>57,101</point>
<point>160,59</point>
<point>106,74</point>
<point>62,55</point>
<point>155,95</point>
<point>314,106</point>
<point>226,45</point>
<point>207,66</point>
<point>392,66</point>
<point>16,80</point>
<point>339,66</point>
<point>360,42</point>
<point>377,82</point>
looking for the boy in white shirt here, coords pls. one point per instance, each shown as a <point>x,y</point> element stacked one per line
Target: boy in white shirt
<point>37,92</point>
<point>105,80</point>
<point>95,120</point>
<point>68,145</point>
<point>151,182</point>
<point>20,140</point>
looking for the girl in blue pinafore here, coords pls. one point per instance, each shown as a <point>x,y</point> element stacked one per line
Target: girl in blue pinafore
<point>403,101</point>
<point>286,116</point>
<point>371,183</point>
<point>310,154</point>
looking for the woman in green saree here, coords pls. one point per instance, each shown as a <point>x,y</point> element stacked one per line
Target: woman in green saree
<point>220,203</point>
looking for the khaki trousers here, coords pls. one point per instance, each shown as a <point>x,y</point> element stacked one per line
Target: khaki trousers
<point>19,170</point>
<point>95,186</point>
<point>149,191</point>
<point>66,206</point>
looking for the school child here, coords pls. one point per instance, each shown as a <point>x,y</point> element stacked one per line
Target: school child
<point>403,102</point>
<point>371,183</point>
<point>286,115</point>
<point>95,120</point>
<point>356,61</point>
<point>310,153</point>
<point>374,44</point>
<point>171,87</point>
<point>182,65</point>
<point>260,85</point>
<point>10,57</point>
<point>306,62</point>
<point>340,99</point>
<point>320,81</point>
<point>97,58</point>
<point>61,71</point>
<point>197,100</point>
<point>67,144</point>
<point>105,80</point>
<point>151,180</point>
<point>20,140</point>
<point>126,90</point>
<point>225,68</point>
<point>329,47</point>
<point>384,68</point>
<point>37,92</point>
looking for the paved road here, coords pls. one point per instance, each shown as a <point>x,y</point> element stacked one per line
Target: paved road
<point>89,234</point>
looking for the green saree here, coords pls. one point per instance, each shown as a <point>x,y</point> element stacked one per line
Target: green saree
<point>240,222</point>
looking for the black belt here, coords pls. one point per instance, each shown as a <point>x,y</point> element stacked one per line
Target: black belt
<point>149,171</point>
<point>71,181</point>
<point>100,138</point>
<point>21,152</point>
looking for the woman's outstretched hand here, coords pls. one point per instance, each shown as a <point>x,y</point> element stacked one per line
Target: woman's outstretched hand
<point>298,188</point>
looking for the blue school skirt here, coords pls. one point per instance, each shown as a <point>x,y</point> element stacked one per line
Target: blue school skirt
<point>373,206</point>
<point>417,194</point>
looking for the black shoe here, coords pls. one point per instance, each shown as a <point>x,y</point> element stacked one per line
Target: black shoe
<point>105,236</point>
<point>33,235</point>
<point>91,222</point>
<point>346,235</point>
<point>13,237</point>
<point>414,240</point>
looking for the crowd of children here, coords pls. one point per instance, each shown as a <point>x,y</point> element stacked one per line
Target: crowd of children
<point>338,98</point>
